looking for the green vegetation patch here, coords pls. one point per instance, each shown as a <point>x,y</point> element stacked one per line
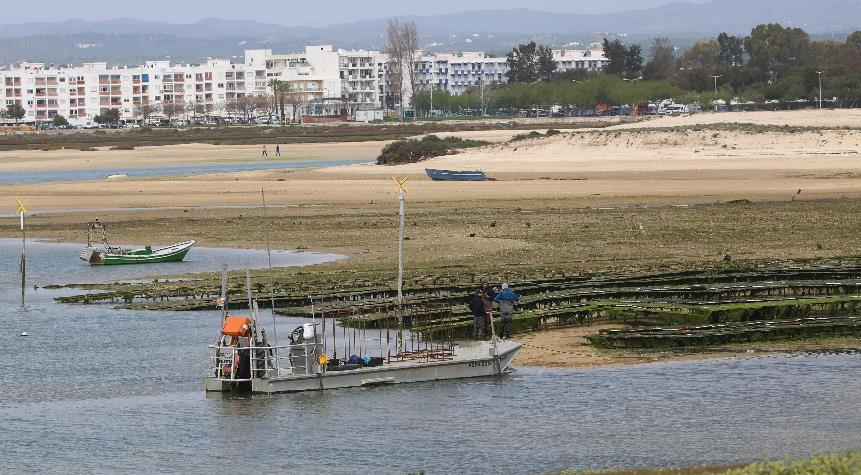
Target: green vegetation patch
<point>412,150</point>
<point>832,464</point>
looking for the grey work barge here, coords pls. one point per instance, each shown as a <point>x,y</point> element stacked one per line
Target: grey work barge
<point>270,373</point>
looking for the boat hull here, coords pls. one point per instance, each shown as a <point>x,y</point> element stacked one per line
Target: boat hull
<point>397,373</point>
<point>174,253</point>
<point>451,175</point>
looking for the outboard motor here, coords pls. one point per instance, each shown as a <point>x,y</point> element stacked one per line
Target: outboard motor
<point>306,346</point>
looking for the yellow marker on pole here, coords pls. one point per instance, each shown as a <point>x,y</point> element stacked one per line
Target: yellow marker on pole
<point>22,210</point>
<point>401,184</point>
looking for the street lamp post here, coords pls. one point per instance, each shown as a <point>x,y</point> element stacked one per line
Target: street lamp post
<point>820,88</point>
<point>432,83</point>
<point>716,78</point>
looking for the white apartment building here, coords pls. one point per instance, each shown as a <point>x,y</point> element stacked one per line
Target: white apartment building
<point>570,59</point>
<point>459,72</point>
<point>332,81</point>
<point>89,90</point>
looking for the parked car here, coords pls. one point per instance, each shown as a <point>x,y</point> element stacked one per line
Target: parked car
<point>674,109</point>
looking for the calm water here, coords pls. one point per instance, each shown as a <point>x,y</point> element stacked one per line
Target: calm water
<point>137,172</point>
<point>54,263</point>
<point>100,390</point>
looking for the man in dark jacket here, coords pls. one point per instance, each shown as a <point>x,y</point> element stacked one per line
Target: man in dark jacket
<point>506,300</point>
<point>476,306</point>
<point>488,294</point>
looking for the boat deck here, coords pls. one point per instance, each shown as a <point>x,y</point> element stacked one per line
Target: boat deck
<point>470,359</point>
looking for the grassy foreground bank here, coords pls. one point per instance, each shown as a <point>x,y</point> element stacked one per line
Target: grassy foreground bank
<point>847,463</point>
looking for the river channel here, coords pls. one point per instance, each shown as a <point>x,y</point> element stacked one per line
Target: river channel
<point>99,390</point>
<point>41,176</point>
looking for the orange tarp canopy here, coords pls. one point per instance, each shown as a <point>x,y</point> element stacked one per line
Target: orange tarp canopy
<point>236,326</point>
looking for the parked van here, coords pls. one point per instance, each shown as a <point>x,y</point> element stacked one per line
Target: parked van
<point>83,123</point>
<point>674,109</point>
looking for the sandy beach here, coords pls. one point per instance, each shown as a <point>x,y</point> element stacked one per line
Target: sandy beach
<point>202,154</point>
<point>630,164</point>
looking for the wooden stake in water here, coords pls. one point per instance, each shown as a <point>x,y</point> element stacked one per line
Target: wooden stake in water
<point>402,198</point>
<point>22,210</point>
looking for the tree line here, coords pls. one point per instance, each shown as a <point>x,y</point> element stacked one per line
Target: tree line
<point>773,63</point>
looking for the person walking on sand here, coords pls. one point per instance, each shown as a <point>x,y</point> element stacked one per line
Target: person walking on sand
<point>476,306</point>
<point>506,300</point>
<point>278,150</point>
<point>488,294</point>
<point>265,153</point>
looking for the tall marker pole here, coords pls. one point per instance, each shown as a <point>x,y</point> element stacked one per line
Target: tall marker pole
<point>22,210</point>
<point>269,256</point>
<point>402,198</point>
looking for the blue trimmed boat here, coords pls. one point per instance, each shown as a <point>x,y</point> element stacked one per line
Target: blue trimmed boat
<point>452,175</point>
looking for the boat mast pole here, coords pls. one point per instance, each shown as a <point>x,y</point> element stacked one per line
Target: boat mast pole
<point>269,255</point>
<point>323,323</point>
<point>402,199</point>
<point>224,292</point>
<point>248,290</point>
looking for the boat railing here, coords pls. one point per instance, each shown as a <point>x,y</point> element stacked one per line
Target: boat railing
<point>265,362</point>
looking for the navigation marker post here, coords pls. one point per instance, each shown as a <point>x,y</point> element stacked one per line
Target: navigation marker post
<point>22,210</point>
<point>402,198</point>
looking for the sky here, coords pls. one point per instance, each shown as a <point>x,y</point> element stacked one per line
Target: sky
<point>291,12</point>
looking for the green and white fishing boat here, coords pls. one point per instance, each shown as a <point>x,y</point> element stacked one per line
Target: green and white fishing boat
<point>109,255</point>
